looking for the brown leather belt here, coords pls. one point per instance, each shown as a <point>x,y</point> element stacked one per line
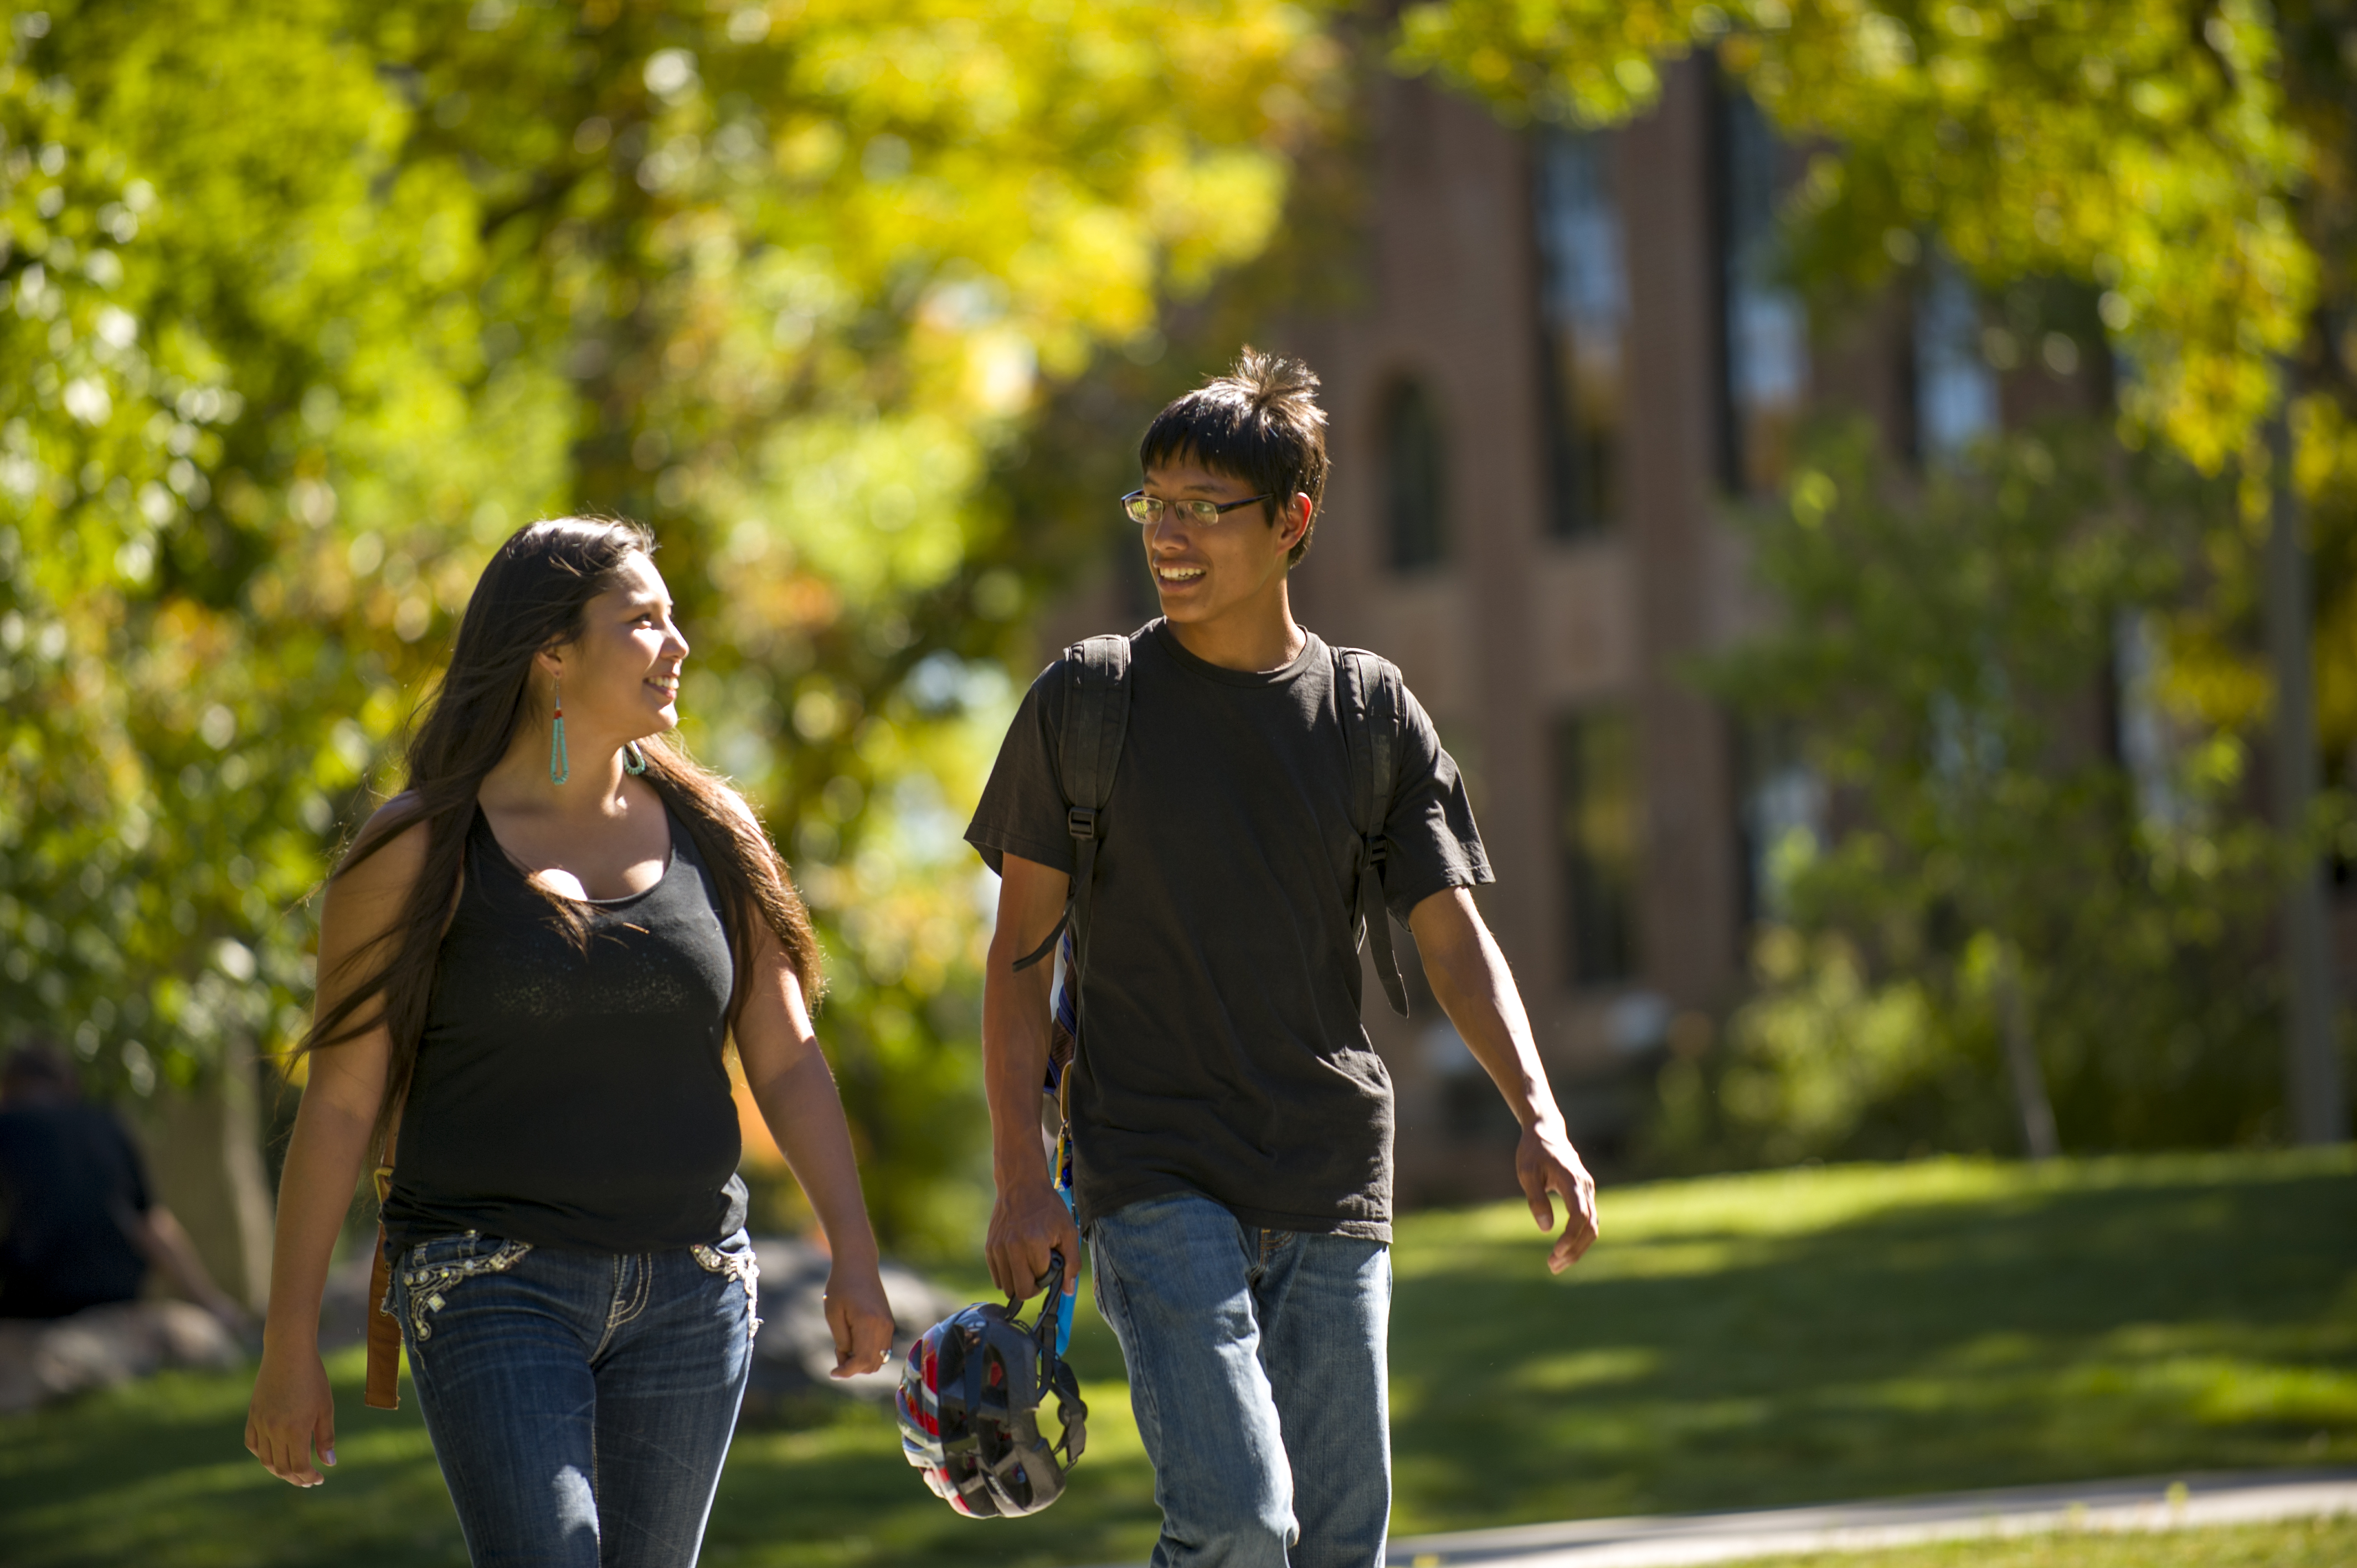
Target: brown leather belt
<point>384,1328</point>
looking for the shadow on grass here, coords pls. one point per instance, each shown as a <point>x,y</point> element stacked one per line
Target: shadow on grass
<point>1804,1337</point>
<point>2048,1332</point>
<point>157,1474</point>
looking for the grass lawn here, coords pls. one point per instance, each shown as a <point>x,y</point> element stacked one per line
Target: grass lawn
<point>1805,1336</point>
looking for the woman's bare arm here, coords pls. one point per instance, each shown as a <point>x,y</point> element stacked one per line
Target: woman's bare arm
<point>796,1090</point>
<point>292,1411</point>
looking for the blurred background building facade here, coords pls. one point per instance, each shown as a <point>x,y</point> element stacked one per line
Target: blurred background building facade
<point>1567,356</point>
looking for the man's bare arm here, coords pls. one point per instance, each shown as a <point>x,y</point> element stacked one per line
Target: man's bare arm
<point>1476,989</point>
<point>1027,1220</point>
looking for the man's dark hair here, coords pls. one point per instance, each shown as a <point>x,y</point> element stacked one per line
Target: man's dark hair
<point>35,1064</point>
<point>1260,423</point>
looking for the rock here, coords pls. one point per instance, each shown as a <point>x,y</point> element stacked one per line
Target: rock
<point>794,1350</point>
<point>50,1359</point>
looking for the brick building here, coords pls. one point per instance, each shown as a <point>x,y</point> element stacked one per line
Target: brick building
<point>1571,355</point>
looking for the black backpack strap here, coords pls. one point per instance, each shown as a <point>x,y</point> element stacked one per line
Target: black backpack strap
<point>1088,749</point>
<point>1367,690</point>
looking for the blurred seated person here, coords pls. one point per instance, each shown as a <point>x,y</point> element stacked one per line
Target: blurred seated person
<point>78,1227</point>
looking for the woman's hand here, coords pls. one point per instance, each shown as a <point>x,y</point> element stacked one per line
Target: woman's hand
<point>293,1409</point>
<point>859,1318</point>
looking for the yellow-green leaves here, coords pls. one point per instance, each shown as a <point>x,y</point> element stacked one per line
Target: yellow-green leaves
<point>304,304</point>
<point>2128,142</point>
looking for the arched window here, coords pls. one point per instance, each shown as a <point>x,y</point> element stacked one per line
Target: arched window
<point>1415,478</point>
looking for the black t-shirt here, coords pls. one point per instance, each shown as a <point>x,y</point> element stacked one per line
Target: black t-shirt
<point>574,1097</point>
<point>1221,1050</point>
<point>71,1188</point>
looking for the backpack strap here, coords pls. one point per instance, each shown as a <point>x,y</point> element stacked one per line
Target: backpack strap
<point>1367,690</point>
<point>1088,749</point>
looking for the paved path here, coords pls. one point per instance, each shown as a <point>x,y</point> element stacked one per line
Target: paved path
<point>2159,1503</point>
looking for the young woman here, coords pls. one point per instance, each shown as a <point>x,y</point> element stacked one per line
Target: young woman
<point>530,963</point>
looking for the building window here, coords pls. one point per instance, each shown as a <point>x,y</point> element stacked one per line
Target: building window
<point>1584,319</point>
<point>1763,324</point>
<point>1955,391</point>
<point>1781,816</point>
<point>1415,479</point>
<point>1599,829</point>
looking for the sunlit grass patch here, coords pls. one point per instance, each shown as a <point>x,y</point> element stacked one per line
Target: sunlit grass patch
<point>1811,1334</point>
<point>1748,1341</point>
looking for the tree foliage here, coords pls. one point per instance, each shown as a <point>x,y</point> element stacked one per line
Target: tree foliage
<point>2188,167</point>
<point>304,304</point>
<point>1946,644</point>
<point>2148,145</point>
<point>2191,162</point>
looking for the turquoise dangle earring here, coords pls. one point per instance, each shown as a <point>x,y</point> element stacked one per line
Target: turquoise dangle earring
<point>560,767</point>
<point>634,761</point>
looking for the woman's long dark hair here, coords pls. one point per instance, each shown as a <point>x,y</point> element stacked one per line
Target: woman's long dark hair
<point>532,595</point>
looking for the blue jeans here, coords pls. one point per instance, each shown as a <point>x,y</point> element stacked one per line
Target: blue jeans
<point>1256,1375</point>
<point>580,1403</point>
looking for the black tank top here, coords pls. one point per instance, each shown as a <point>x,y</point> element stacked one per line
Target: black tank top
<point>574,1098</point>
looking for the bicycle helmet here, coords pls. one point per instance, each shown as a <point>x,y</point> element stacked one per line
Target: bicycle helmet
<point>968,1406</point>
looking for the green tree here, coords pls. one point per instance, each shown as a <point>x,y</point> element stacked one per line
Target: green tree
<point>2012,910</point>
<point>2186,166</point>
<point>2192,164</point>
<point>311,303</point>
<point>2150,146</point>
<point>205,642</point>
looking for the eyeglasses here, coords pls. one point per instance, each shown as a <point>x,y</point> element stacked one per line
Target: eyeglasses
<point>1147,510</point>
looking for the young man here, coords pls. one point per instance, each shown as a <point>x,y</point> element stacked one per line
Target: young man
<point>1232,1125</point>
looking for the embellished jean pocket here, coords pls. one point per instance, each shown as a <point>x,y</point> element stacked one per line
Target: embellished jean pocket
<point>734,1259</point>
<point>431,1270</point>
